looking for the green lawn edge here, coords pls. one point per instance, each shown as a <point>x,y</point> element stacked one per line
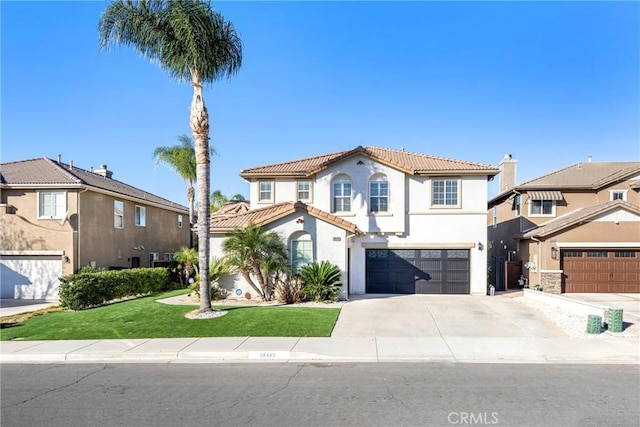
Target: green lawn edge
<point>146,318</point>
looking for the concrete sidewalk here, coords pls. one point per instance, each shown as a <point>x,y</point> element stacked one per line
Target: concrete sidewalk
<point>598,349</point>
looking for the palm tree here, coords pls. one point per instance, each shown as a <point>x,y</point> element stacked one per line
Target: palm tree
<point>192,42</point>
<point>217,200</point>
<point>256,253</point>
<point>182,158</point>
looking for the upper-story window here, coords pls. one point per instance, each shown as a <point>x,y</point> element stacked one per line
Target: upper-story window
<point>517,205</point>
<point>543,203</point>
<point>265,192</point>
<point>304,191</point>
<point>180,221</point>
<point>341,195</point>
<point>141,216</point>
<point>52,204</point>
<point>618,195</point>
<point>495,217</point>
<point>445,192</point>
<point>118,214</point>
<point>542,207</point>
<point>379,195</point>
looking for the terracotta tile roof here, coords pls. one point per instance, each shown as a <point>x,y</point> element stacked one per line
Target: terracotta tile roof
<point>233,207</point>
<point>262,216</point>
<point>47,172</point>
<point>411,163</point>
<point>576,217</point>
<point>579,176</point>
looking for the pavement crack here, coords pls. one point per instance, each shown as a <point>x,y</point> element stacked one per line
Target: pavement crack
<point>37,396</point>
<point>394,397</point>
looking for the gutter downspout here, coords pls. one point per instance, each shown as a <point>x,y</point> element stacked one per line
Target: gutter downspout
<point>77,232</point>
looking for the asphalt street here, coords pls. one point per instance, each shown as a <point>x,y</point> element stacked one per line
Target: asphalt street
<point>320,394</point>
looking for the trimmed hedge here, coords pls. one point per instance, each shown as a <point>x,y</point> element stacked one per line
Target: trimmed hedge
<point>84,290</point>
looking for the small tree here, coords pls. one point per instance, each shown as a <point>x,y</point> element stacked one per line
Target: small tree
<point>321,280</point>
<point>257,255</point>
<point>187,259</point>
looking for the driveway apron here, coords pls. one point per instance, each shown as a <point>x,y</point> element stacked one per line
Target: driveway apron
<point>445,316</point>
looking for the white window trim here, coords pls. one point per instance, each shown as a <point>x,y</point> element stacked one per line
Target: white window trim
<point>180,220</point>
<point>459,193</point>
<point>380,178</point>
<point>624,194</point>
<point>333,196</point>
<point>306,237</point>
<point>517,206</point>
<point>60,215</point>
<point>116,215</point>
<point>143,216</point>
<point>495,217</point>
<point>273,190</point>
<point>168,256</point>
<point>310,198</point>
<point>153,256</point>
<point>542,215</point>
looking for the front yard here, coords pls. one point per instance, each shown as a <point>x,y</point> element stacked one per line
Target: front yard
<point>146,318</point>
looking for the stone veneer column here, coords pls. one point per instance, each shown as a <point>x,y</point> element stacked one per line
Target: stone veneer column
<point>551,281</point>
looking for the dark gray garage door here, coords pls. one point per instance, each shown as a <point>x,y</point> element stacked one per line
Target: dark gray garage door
<point>417,271</point>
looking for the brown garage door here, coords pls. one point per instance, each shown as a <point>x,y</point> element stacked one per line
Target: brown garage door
<point>600,270</point>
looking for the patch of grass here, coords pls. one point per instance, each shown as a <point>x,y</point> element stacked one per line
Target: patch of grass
<point>146,318</point>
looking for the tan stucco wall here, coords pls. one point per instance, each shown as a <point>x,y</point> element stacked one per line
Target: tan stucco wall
<point>99,240</point>
<point>22,230</point>
<point>108,246</point>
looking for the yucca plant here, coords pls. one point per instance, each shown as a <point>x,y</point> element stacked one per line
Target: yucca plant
<point>321,280</point>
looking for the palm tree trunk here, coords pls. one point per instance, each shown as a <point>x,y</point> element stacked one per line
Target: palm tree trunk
<point>200,129</point>
<point>191,198</point>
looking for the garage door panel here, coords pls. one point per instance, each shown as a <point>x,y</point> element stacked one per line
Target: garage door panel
<point>432,271</point>
<point>612,271</point>
<point>30,277</point>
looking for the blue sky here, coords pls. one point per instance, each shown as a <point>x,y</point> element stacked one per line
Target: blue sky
<point>549,82</point>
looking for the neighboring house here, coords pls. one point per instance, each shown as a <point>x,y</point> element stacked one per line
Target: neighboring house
<point>394,222</point>
<point>576,229</point>
<point>57,218</point>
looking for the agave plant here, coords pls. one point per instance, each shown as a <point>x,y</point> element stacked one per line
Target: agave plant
<point>321,280</point>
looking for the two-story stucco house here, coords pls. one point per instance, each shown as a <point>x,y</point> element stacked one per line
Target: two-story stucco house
<point>576,229</point>
<point>57,218</point>
<point>393,221</point>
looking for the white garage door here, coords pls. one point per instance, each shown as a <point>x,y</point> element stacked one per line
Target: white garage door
<point>30,277</point>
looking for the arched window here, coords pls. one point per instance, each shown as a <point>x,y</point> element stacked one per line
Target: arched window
<point>301,251</point>
<point>341,194</point>
<point>378,194</point>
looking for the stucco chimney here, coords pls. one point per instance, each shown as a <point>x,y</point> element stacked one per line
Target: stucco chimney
<point>104,171</point>
<point>507,173</point>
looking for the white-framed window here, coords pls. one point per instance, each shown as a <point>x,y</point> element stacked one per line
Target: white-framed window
<point>301,251</point>
<point>52,204</point>
<point>445,192</point>
<point>379,195</point>
<point>118,214</point>
<point>304,191</point>
<point>542,208</point>
<point>153,257</point>
<point>168,256</point>
<point>618,195</point>
<point>179,221</point>
<point>341,195</point>
<point>495,217</point>
<point>517,205</point>
<point>265,192</point>
<point>141,216</point>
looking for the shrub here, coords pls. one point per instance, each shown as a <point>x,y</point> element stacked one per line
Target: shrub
<point>218,293</point>
<point>91,269</point>
<point>83,290</point>
<point>291,290</point>
<point>321,280</point>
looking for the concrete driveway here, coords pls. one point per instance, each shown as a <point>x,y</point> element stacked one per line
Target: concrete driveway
<point>629,303</point>
<point>10,307</point>
<point>441,316</point>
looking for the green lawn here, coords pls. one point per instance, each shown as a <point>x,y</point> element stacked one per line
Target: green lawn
<point>146,318</point>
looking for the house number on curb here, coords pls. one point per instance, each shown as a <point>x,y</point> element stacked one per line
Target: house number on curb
<point>269,355</point>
